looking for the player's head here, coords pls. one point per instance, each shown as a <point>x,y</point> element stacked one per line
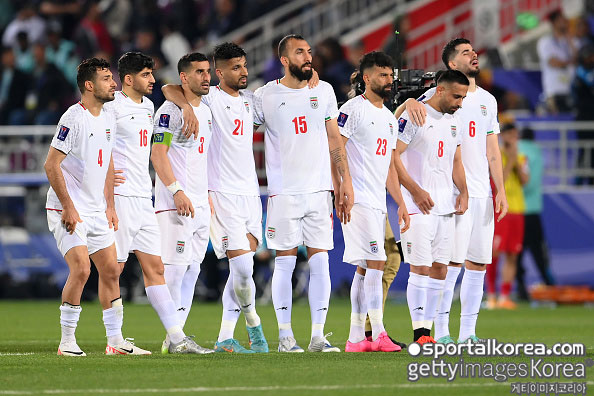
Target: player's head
<point>509,134</point>
<point>295,55</point>
<point>94,77</point>
<point>377,71</point>
<point>458,54</point>
<point>194,72</point>
<point>231,65</point>
<point>452,87</point>
<point>559,22</point>
<point>136,70</point>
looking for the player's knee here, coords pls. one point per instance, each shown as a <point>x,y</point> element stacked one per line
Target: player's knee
<point>110,273</point>
<point>80,275</point>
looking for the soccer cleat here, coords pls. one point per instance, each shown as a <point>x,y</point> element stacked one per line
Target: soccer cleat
<point>70,349</point>
<point>506,303</point>
<point>288,344</point>
<point>446,340</point>
<point>426,339</point>
<point>383,343</point>
<point>402,345</point>
<point>491,302</point>
<point>321,344</point>
<point>474,339</point>
<point>188,345</point>
<point>258,342</point>
<point>361,346</point>
<point>165,346</point>
<point>125,348</point>
<point>231,345</point>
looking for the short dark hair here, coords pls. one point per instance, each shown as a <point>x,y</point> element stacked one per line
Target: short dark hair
<point>87,71</point>
<point>282,45</point>
<point>554,15</point>
<point>133,63</point>
<point>375,58</point>
<point>227,51</point>
<point>449,50</point>
<point>185,61</point>
<point>453,76</point>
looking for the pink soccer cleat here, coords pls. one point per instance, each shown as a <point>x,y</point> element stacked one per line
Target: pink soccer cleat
<point>361,346</point>
<point>383,343</point>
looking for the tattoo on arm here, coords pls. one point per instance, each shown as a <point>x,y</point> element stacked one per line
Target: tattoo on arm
<point>338,158</point>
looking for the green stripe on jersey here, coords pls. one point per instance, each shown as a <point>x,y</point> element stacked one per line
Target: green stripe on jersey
<point>489,132</point>
<point>163,138</point>
<point>328,118</point>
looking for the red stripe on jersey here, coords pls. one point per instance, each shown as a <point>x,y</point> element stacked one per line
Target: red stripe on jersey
<point>364,97</point>
<point>83,106</point>
<point>166,210</point>
<point>57,210</point>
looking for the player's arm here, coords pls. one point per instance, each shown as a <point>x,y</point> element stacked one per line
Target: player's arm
<point>110,212</point>
<point>393,186</point>
<point>175,93</point>
<point>415,109</point>
<point>340,171</point>
<point>496,169</point>
<point>459,177</point>
<point>421,197</point>
<point>163,168</point>
<point>54,174</point>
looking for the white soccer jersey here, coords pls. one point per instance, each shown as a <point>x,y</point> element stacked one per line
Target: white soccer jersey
<point>87,142</point>
<point>429,158</point>
<point>478,119</point>
<point>188,157</point>
<point>296,142</point>
<point>231,166</point>
<point>370,131</point>
<point>132,149</point>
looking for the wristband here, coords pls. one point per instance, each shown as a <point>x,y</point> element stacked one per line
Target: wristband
<point>174,187</point>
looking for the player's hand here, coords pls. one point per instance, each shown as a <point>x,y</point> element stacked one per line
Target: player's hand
<point>190,126</point>
<point>423,200</point>
<point>183,205</point>
<point>118,177</point>
<point>211,206</point>
<point>344,201</point>
<point>314,80</point>
<point>403,218</point>
<point>70,218</point>
<point>501,206</point>
<point>461,204</point>
<point>112,218</point>
<point>417,111</point>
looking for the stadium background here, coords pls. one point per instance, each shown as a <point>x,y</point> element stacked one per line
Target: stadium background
<point>43,41</point>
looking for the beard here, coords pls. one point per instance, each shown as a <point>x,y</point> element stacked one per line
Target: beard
<point>105,97</point>
<point>238,85</point>
<point>382,91</point>
<point>143,90</point>
<point>299,73</point>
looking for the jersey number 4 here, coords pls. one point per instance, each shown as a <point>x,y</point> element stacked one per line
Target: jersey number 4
<point>382,146</point>
<point>100,158</point>
<point>300,125</point>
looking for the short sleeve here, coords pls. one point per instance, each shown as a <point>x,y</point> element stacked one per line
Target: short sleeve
<point>67,133</point>
<point>258,110</point>
<point>494,119</point>
<point>406,129</point>
<point>349,118</point>
<point>332,107</point>
<point>427,95</point>
<point>168,121</point>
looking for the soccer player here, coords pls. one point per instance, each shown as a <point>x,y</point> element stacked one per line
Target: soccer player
<point>181,187</point>
<point>80,206</point>
<point>481,157</point>
<point>301,137</point>
<point>236,228</point>
<point>429,163</point>
<point>367,127</point>
<point>138,229</point>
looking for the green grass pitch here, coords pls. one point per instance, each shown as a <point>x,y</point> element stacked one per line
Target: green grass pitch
<point>30,335</point>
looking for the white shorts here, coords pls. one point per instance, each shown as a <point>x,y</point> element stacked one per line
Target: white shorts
<point>184,239</point>
<point>364,236</point>
<point>429,239</point>
<point>235,216</point>
<point>294,220</point>
<point>93,232</point>
<point>137,227</point>
<point>473,238</point>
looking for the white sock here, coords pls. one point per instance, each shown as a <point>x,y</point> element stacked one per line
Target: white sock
<point>231,311</point>
<point>188,288</point>
<point>282,293</point>
<point>434,293</point>
<point>374,296</point>
<point>113,319</point>
<point>319,292</point>
<point>471,294</point>
<point>69,316</point>
<point>174,275</point>
<point>358,309</point>
<point>160,299</point>
<point>442,320</point>
<point>243,285</point>
<point>416,297</point>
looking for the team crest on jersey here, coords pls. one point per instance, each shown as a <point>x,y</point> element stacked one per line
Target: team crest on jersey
<point>180,247</point>
<point>313,102</point>
<point>484,110</point>
<point>108,134</point>
<point>408,247</point>
<point>225,241</point>
<point>63,132</point>
<point>373,246</point>
<point>391,129</point>
<point>271,232</point>
<point>150,116</point>
<point>164,120</point>
<point>247,106</point>
<point>453,129</point>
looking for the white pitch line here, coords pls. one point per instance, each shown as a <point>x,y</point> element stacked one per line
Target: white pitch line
<point>17,354</point>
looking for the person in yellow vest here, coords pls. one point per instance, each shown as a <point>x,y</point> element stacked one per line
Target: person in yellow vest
<point>509,232</point>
